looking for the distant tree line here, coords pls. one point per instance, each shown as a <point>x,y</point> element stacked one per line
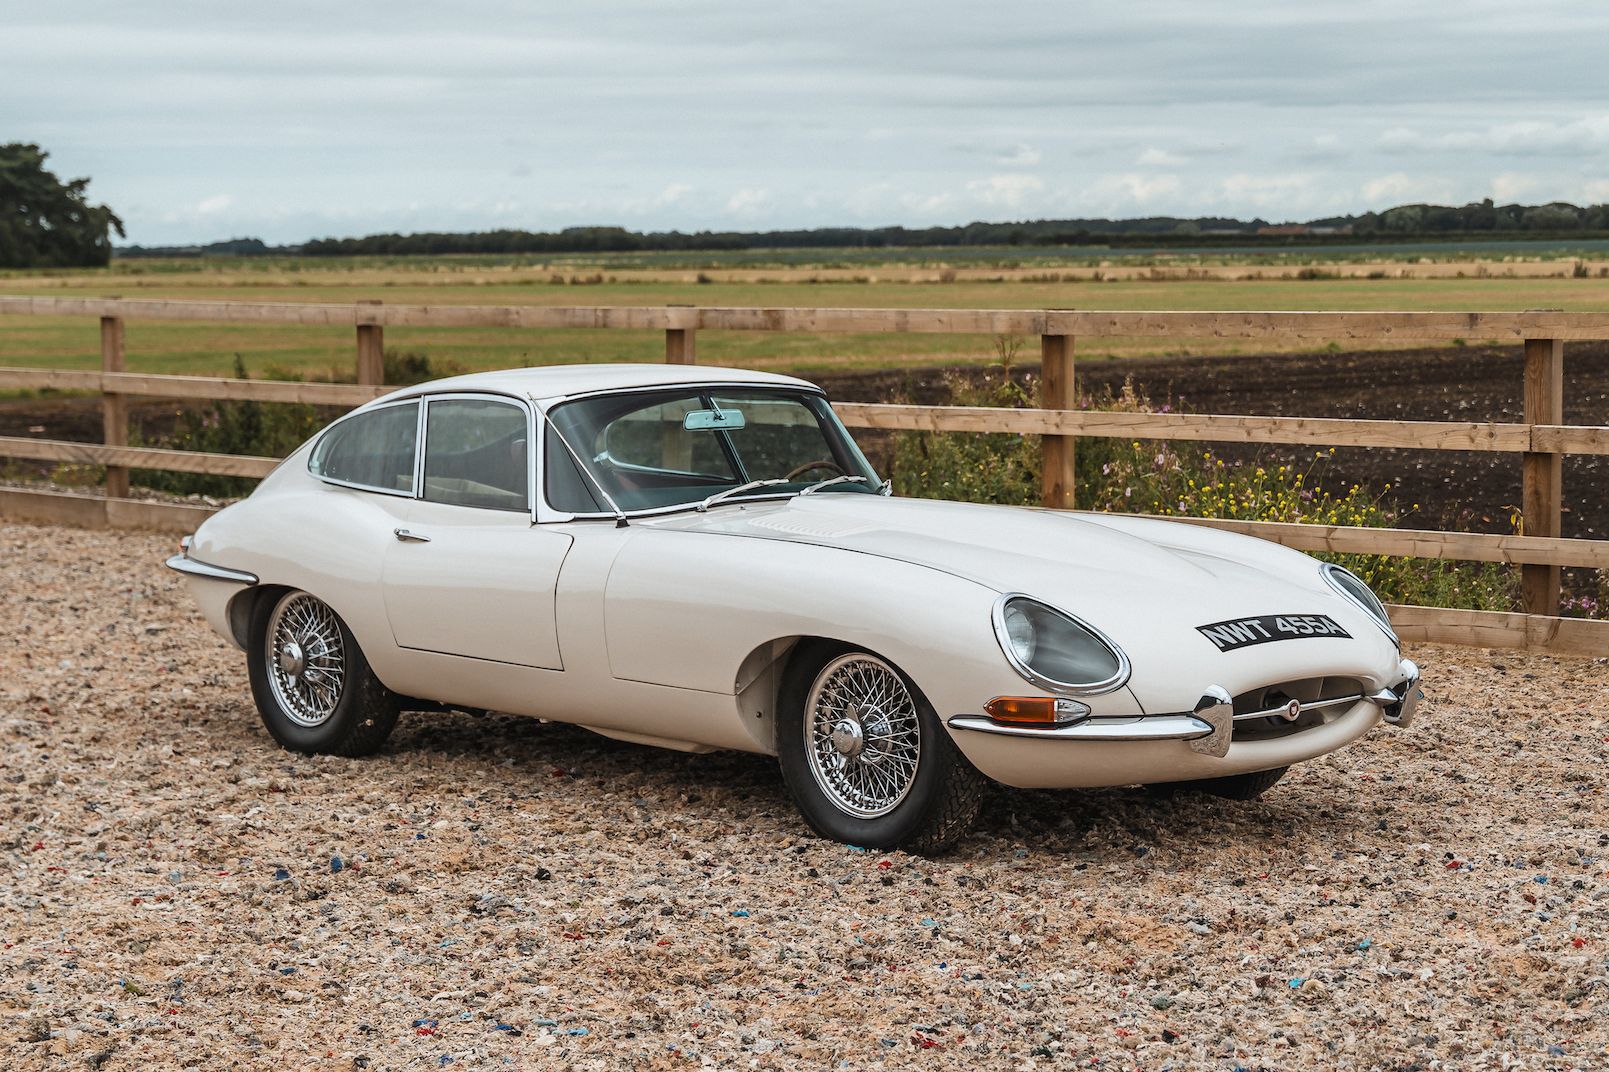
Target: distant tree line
<point>1405,222</point>
<point>47,223</point>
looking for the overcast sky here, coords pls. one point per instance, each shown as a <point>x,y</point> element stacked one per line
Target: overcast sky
<point>204,121</point>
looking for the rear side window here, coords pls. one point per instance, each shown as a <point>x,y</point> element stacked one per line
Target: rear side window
<point>476,454</point>
<point>373,449</point>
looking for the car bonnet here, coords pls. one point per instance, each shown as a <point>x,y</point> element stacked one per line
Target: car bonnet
<point>1147,597</point>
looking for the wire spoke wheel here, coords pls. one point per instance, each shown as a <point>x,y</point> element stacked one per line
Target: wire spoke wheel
<point>862,735</point>
<point>307,661</point>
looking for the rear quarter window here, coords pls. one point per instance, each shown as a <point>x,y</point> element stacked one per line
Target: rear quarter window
<point>373,449</point>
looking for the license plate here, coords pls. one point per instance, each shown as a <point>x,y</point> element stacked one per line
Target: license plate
<point>1245,632</point>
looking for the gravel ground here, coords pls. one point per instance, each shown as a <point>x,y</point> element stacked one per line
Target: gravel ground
<point>517,894</point>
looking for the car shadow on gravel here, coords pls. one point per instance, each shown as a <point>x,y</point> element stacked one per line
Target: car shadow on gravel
<point>1119,823</point>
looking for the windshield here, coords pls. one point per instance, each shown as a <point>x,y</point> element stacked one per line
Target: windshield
<point>652,450</point>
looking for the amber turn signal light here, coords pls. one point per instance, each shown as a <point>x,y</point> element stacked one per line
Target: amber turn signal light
<point>1040,710</point>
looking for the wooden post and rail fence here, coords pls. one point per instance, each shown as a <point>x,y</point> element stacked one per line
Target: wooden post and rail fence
<point>1542,439</point>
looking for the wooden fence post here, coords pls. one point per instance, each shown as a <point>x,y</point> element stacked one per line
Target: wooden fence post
<point>114,407</point>
<point>1057,477</point>
<point>680,346</point>
<point>1544,404</point>
<point>371,350</point>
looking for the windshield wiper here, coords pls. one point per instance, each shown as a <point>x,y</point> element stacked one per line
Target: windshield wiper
<point>831,482</point>
<point>740,489</point>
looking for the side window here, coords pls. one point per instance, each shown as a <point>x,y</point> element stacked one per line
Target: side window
<point>476,454</point>
<point>374,449</point>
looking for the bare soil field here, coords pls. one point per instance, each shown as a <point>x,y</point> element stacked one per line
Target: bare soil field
<point>1474,490</point>
<point>501,892</point>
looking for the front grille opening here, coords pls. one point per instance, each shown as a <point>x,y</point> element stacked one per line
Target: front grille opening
<point>1309,691</point>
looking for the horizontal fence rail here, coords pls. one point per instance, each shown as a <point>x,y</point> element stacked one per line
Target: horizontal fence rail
<point>1218,428</point>
<point>1414,543</point>
<point>206,387</point>
<point>1510,327</point>
<point>1541,438</point>
<point>177,461</point>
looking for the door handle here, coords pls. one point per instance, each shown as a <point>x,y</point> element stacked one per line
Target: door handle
<point>410,537</point>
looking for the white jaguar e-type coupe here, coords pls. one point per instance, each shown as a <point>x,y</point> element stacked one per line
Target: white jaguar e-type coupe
<point>701,558</point>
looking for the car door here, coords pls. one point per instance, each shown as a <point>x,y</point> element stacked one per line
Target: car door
<point>469,573</point>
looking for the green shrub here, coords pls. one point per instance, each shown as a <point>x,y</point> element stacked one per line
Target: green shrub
<point>1177,479</point>
<point>264,429</point>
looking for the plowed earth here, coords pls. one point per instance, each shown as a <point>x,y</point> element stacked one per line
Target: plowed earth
<point>1473,490</point>
<point>529,895</point>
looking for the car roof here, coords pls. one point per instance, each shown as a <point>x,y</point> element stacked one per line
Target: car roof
<point>558,381</point>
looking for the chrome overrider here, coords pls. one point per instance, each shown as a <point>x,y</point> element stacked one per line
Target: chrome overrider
<point>1209,726</point>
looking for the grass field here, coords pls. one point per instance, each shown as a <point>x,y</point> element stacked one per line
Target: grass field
<point>200,348</point>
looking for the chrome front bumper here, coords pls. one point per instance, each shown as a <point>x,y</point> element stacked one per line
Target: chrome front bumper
<point>1207,728</point>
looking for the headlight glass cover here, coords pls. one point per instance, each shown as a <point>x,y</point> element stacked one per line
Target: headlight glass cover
<point>1347,583</point>
<point>1055,650</point>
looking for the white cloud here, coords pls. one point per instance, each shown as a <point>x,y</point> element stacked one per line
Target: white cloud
<point>1132,191</point>
<point>1588,135</point>
<point>1398,188</point>
<point>1006,191</point>
<point>1161,158</point>
<point>1597,190</point>
<point>1510,186</point>
<point>1267,191</point>
<point>214,205</point>
<point>748,203</point>
<point>1321,149</point>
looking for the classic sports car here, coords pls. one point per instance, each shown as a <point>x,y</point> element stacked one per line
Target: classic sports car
<point>701,558</point>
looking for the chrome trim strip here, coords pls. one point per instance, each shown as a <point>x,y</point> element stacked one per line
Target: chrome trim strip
<point>1180,727</point>
<point>194,568</point>
<point>1316,705</point>
<point>1095,688</point>
<point>1328,571</point>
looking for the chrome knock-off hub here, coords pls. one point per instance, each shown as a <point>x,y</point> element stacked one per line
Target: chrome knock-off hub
<point>848,738</point>
<point>291,660</point>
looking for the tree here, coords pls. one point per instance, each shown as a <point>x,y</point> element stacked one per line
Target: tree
<point>46,223</point>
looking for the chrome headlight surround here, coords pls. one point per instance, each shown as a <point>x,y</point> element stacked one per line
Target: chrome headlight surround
<point>1078,688</point>
<point>1356,596</point>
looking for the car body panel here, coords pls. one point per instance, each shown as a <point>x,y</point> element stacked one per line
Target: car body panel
<point>476,583</point>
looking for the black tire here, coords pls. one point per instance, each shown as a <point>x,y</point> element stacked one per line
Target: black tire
<point>939,801</point>
<point>351,718</point>
<point>1234,787</point>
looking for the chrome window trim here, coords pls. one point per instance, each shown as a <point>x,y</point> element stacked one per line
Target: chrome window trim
<point>998,615</point>
<point>547,513</point>
<point>531,453</point>
<point>388,403</point>
<point>1329,569</point>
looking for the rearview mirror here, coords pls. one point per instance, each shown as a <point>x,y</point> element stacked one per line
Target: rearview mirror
<point>713,420</point>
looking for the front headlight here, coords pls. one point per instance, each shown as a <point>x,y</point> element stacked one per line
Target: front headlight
<point>1346,582</point>
<point>1055,650</point>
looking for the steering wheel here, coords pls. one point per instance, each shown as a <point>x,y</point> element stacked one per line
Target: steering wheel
<point>807,466</point>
